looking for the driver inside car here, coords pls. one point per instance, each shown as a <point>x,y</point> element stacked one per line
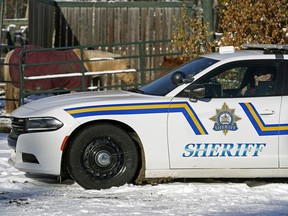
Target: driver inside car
<point>264,83</point>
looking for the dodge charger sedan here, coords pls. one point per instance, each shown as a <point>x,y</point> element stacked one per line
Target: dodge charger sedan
<point>221,115</point>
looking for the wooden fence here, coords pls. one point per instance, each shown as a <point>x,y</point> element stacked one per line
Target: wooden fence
<point>62,23</point>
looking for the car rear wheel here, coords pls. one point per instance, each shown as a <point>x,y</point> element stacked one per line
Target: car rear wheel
<point>102,156</point>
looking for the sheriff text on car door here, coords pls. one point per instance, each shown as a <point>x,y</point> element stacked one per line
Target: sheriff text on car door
<point>226,129</point>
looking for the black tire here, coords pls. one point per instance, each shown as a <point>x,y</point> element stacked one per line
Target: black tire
<point>102,156</point>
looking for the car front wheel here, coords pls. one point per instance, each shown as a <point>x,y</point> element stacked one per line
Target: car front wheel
<point>102,156</point>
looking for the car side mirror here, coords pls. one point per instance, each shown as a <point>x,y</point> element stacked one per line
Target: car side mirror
<point>178,78</point>
<point>196,91</point>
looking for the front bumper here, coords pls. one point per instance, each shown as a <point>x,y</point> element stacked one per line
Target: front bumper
<point>38,153</point>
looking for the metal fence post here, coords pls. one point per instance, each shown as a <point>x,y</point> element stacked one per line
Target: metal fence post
<point>82,68</point>
<point>1,22</point>
<point>208,16</point>
<point>21,62</point>
<point>141,62</point>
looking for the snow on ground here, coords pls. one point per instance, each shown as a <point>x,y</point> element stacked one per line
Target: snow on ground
<point>22,195</point>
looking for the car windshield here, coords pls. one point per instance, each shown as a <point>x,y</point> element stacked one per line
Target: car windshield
<point>164,85</point>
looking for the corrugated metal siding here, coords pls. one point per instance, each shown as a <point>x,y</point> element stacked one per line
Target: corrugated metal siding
<point>41,22</point>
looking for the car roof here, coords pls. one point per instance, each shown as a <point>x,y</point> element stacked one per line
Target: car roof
<point>253,51</point>
<point>237,54</point>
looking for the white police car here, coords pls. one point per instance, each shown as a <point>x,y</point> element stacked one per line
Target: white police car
<point>196,121</point>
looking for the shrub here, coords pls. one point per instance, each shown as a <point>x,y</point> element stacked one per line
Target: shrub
<point>190,36</point>
<point>253,21</point>
<point>245,21</point>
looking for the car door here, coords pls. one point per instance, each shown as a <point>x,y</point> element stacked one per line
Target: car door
<point>225,129</point>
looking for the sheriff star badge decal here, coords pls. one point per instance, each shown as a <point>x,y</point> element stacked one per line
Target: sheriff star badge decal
<point>225,119</point>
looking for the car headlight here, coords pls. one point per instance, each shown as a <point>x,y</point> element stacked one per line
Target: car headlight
<point>43,124</point>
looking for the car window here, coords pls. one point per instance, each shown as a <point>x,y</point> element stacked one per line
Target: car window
<point>230,78</point>
<point>164,85</point>
<point>225,84</point>
<point>239,80</point>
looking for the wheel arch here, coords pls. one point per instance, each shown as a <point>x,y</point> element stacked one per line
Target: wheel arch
<point>129,130</point>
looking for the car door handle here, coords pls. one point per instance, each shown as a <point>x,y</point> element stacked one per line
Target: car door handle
<point>266,112</point>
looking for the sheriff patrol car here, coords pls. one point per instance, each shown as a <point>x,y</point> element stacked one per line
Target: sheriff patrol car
<point>193,122</point>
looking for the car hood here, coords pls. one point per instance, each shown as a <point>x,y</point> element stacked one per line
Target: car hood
<point>88,98</point>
